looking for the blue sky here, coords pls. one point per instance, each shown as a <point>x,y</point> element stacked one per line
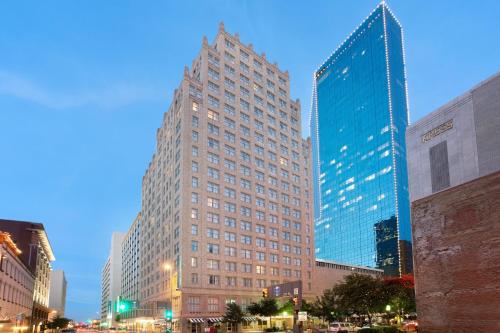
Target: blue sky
<point>84,84</point>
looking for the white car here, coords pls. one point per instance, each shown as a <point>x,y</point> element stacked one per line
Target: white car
<point>337,327</point>
<point>349,327</point>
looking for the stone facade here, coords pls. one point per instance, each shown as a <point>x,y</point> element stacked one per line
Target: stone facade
<point>226,199</point>
<point>456,237</point>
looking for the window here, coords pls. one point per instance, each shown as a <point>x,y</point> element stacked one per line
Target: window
<point>194,197</point>
<point>213,280</point>
<point>260,269</point>
<point>245,239</point>
<point>194,121</point>
<point>213,102</point>
<point>246,268</point>
<point>213,218</point>
<point>230,251</point>
<point>194,182</point>
<point>247,282</point>
<point>213,158</point>
<point>212,187</point>
<point>230,266</point>
<point>230,236</point>
<point>194,246</point>
<point>247,226</point>
<point>194,229</point>
<point>194,301</point>
<point>213,173</point>
<point>230,282</point>
<point>213,129</point>
<point>213,264</point>
<point>230,222</point>
<point>194,213</point>
<point>194,166</point>
<point>194,280</point>
<point>194,151</point>
<point>213,233</point>
<point>212,248</point>
<point>229,178</point>
<point>212,202</point>
<point>213,115</point>
<point>194,262</point>
<point>246,254</point>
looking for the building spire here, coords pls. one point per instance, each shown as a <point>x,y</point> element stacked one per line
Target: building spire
<point>221,26</point>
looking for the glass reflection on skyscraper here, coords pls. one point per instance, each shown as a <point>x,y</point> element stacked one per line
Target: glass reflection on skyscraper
<point>358,124</point>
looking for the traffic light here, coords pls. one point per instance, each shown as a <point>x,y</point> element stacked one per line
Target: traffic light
<point>265,293</point>
<point>123,305</point>
<point>295,301</point>
<point>168,315</point>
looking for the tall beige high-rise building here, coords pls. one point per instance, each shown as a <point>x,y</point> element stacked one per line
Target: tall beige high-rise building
<point>226,199</point>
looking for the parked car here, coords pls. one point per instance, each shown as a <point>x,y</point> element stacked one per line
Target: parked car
<point>350,327</point>
<point>337,327</point>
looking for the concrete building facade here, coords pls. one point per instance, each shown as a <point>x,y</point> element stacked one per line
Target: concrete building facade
<point>111,280</point>
<point>57,295</point>
<point>226,199</point>
<point>16,286</point>
<point>456,143</point>
<point>131,269</point>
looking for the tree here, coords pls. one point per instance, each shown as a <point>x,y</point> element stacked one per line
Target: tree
<point>361,294</point>
<point>324,306</point>
<point>234,315</point>
<point>58,322</point>
<point>266,307</point>
<point>401,293</point>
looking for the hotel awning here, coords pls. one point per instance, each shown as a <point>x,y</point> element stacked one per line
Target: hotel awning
<point>215,319</point>
<point>196,320</point>
<point>250,319</point>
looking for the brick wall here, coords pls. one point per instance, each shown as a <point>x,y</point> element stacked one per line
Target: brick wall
<point>456,235</point>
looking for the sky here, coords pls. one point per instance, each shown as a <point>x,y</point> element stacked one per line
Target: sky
<point>84,85</point>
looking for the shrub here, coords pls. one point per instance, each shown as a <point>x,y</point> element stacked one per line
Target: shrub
<point>369,330</point>
<point>380,329</point>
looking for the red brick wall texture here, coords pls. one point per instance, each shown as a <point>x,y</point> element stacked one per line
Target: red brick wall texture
<point>456,242</point>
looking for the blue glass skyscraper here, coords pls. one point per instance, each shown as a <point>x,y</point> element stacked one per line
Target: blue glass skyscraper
<point>358,122</point>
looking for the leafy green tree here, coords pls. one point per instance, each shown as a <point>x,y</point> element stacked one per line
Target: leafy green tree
<point>234,315</point>
<point>401,294</point>
<point>266,307</point>
<point>361,294</point>
<point>325,307</point>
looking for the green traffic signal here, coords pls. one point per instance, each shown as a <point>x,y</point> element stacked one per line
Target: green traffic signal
<point>168,314</point>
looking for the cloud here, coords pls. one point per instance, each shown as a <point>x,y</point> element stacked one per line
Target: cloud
<point>110,96</point>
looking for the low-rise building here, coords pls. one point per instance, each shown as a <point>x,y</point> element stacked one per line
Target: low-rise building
<point>329,273</point>
<point>16,286</point>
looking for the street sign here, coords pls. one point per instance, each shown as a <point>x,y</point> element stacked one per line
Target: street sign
<point>302,316</point>
<point>295,291</point>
